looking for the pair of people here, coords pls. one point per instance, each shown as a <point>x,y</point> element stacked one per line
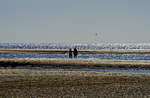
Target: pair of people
<point>75,52</point>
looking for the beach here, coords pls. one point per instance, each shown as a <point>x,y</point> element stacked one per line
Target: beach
<point>21,83</point>
<point>75,49</point>
<point>19,77</point>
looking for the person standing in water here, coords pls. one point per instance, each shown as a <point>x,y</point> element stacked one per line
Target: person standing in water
<point>70,53</point>
<point>75,52</point>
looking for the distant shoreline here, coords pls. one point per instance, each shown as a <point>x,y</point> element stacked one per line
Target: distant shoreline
<point>63,51</point>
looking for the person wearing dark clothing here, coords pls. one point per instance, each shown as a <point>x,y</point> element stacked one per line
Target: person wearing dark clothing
<point>75,52</point>
<point>70,53</point>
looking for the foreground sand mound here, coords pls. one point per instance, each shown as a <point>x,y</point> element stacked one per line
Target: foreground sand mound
<point>20,83</point>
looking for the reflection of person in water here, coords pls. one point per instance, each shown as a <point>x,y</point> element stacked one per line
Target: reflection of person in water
<point>75,52</point>
<point>70,53</point>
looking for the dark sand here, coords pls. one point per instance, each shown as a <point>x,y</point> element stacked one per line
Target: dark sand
<point>74,63</point>
<point>20,83</point>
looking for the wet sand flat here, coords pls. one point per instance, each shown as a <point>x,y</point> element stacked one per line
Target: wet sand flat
<point>34,83</point>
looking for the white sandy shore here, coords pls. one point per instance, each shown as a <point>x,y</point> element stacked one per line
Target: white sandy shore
<point>63,51</point>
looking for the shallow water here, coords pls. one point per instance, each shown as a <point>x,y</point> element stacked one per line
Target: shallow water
<point>85,56</point>
<point>104,46</point>
<point>89,69</point>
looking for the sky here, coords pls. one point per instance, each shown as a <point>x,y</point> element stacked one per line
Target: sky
<point>74,21</point>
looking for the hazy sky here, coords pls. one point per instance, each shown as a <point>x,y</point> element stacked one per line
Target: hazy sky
<point>75,21</point>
